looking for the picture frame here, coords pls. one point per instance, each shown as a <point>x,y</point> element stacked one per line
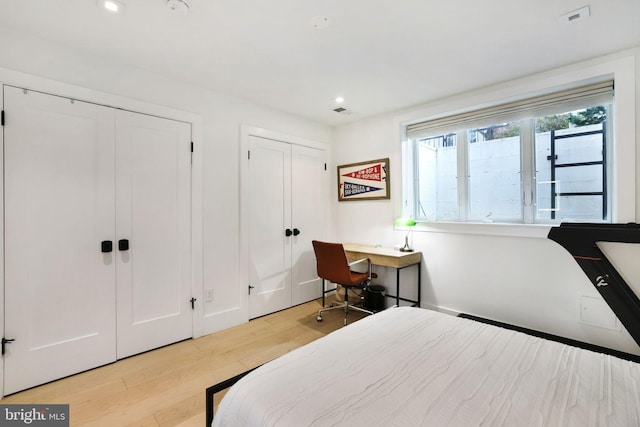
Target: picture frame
<point>368,180</point>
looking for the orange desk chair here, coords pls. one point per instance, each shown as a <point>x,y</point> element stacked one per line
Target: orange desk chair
<point>333,265</point>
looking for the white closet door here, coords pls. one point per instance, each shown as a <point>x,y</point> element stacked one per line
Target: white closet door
<point>59,191</point>
<point>269,214</point>
<point>309,207</point>
<point>153,205</point>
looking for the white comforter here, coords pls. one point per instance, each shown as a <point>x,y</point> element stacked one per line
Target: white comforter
<point>415,367</point>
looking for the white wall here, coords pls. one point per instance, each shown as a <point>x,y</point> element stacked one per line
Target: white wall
<point>511,273</point>
<point>217,137</point>
<point>527,281</point>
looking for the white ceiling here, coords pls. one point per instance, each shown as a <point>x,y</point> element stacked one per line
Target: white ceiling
<point>381,55</point>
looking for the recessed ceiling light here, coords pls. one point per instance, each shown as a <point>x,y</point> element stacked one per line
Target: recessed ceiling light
<point>339,100</point>
<point>113,6</point>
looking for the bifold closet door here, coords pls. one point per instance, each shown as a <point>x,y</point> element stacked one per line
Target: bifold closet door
<point>309,202</point>
<point>270,230</point>
<point>97,235</point>
<point>287,205</point>
<point>59,278</point>
<point>153,232</point>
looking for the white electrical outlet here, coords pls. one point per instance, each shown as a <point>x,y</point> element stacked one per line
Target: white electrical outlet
<point>208,295</point>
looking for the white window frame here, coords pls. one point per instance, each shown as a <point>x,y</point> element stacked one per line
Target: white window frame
<point>527,174</point>
<point>622,155</point>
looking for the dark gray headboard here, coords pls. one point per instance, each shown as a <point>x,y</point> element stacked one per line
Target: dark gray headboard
<point>580,240</point>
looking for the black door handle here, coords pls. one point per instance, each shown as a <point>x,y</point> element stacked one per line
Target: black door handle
<point>123,245</point>
<point>296,231</point>
<point>106,246</point>
<point>6,341</point>
<point>288,232</point>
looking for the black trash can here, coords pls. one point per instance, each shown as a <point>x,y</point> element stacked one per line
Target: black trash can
<point>374,298</point>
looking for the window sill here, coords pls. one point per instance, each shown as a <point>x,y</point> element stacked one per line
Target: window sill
<point>537,231</point>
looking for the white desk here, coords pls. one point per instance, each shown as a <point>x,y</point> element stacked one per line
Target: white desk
<point>387,257</point>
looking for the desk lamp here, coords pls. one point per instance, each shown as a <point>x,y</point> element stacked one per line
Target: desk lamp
<point>406,222</point>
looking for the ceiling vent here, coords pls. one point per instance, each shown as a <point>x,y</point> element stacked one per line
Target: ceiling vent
<point>342,110</point>
<point>576,15</point>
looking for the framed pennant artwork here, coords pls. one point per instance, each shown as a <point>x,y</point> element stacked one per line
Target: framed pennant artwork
<point>364,181</point>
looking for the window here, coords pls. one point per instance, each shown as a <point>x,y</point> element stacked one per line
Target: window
<point>540,160</point>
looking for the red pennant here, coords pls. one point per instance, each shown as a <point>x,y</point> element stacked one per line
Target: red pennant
<point>372,173</point>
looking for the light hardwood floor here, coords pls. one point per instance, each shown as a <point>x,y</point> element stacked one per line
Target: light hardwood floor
<point>165,387</point>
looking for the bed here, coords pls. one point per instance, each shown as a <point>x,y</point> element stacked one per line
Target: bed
<point>415,367</point>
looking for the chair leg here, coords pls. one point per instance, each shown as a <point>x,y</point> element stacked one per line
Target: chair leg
<point>363,310</point>
<point>333,307</point>
<point>351,306</point>
<point>345,306</point>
